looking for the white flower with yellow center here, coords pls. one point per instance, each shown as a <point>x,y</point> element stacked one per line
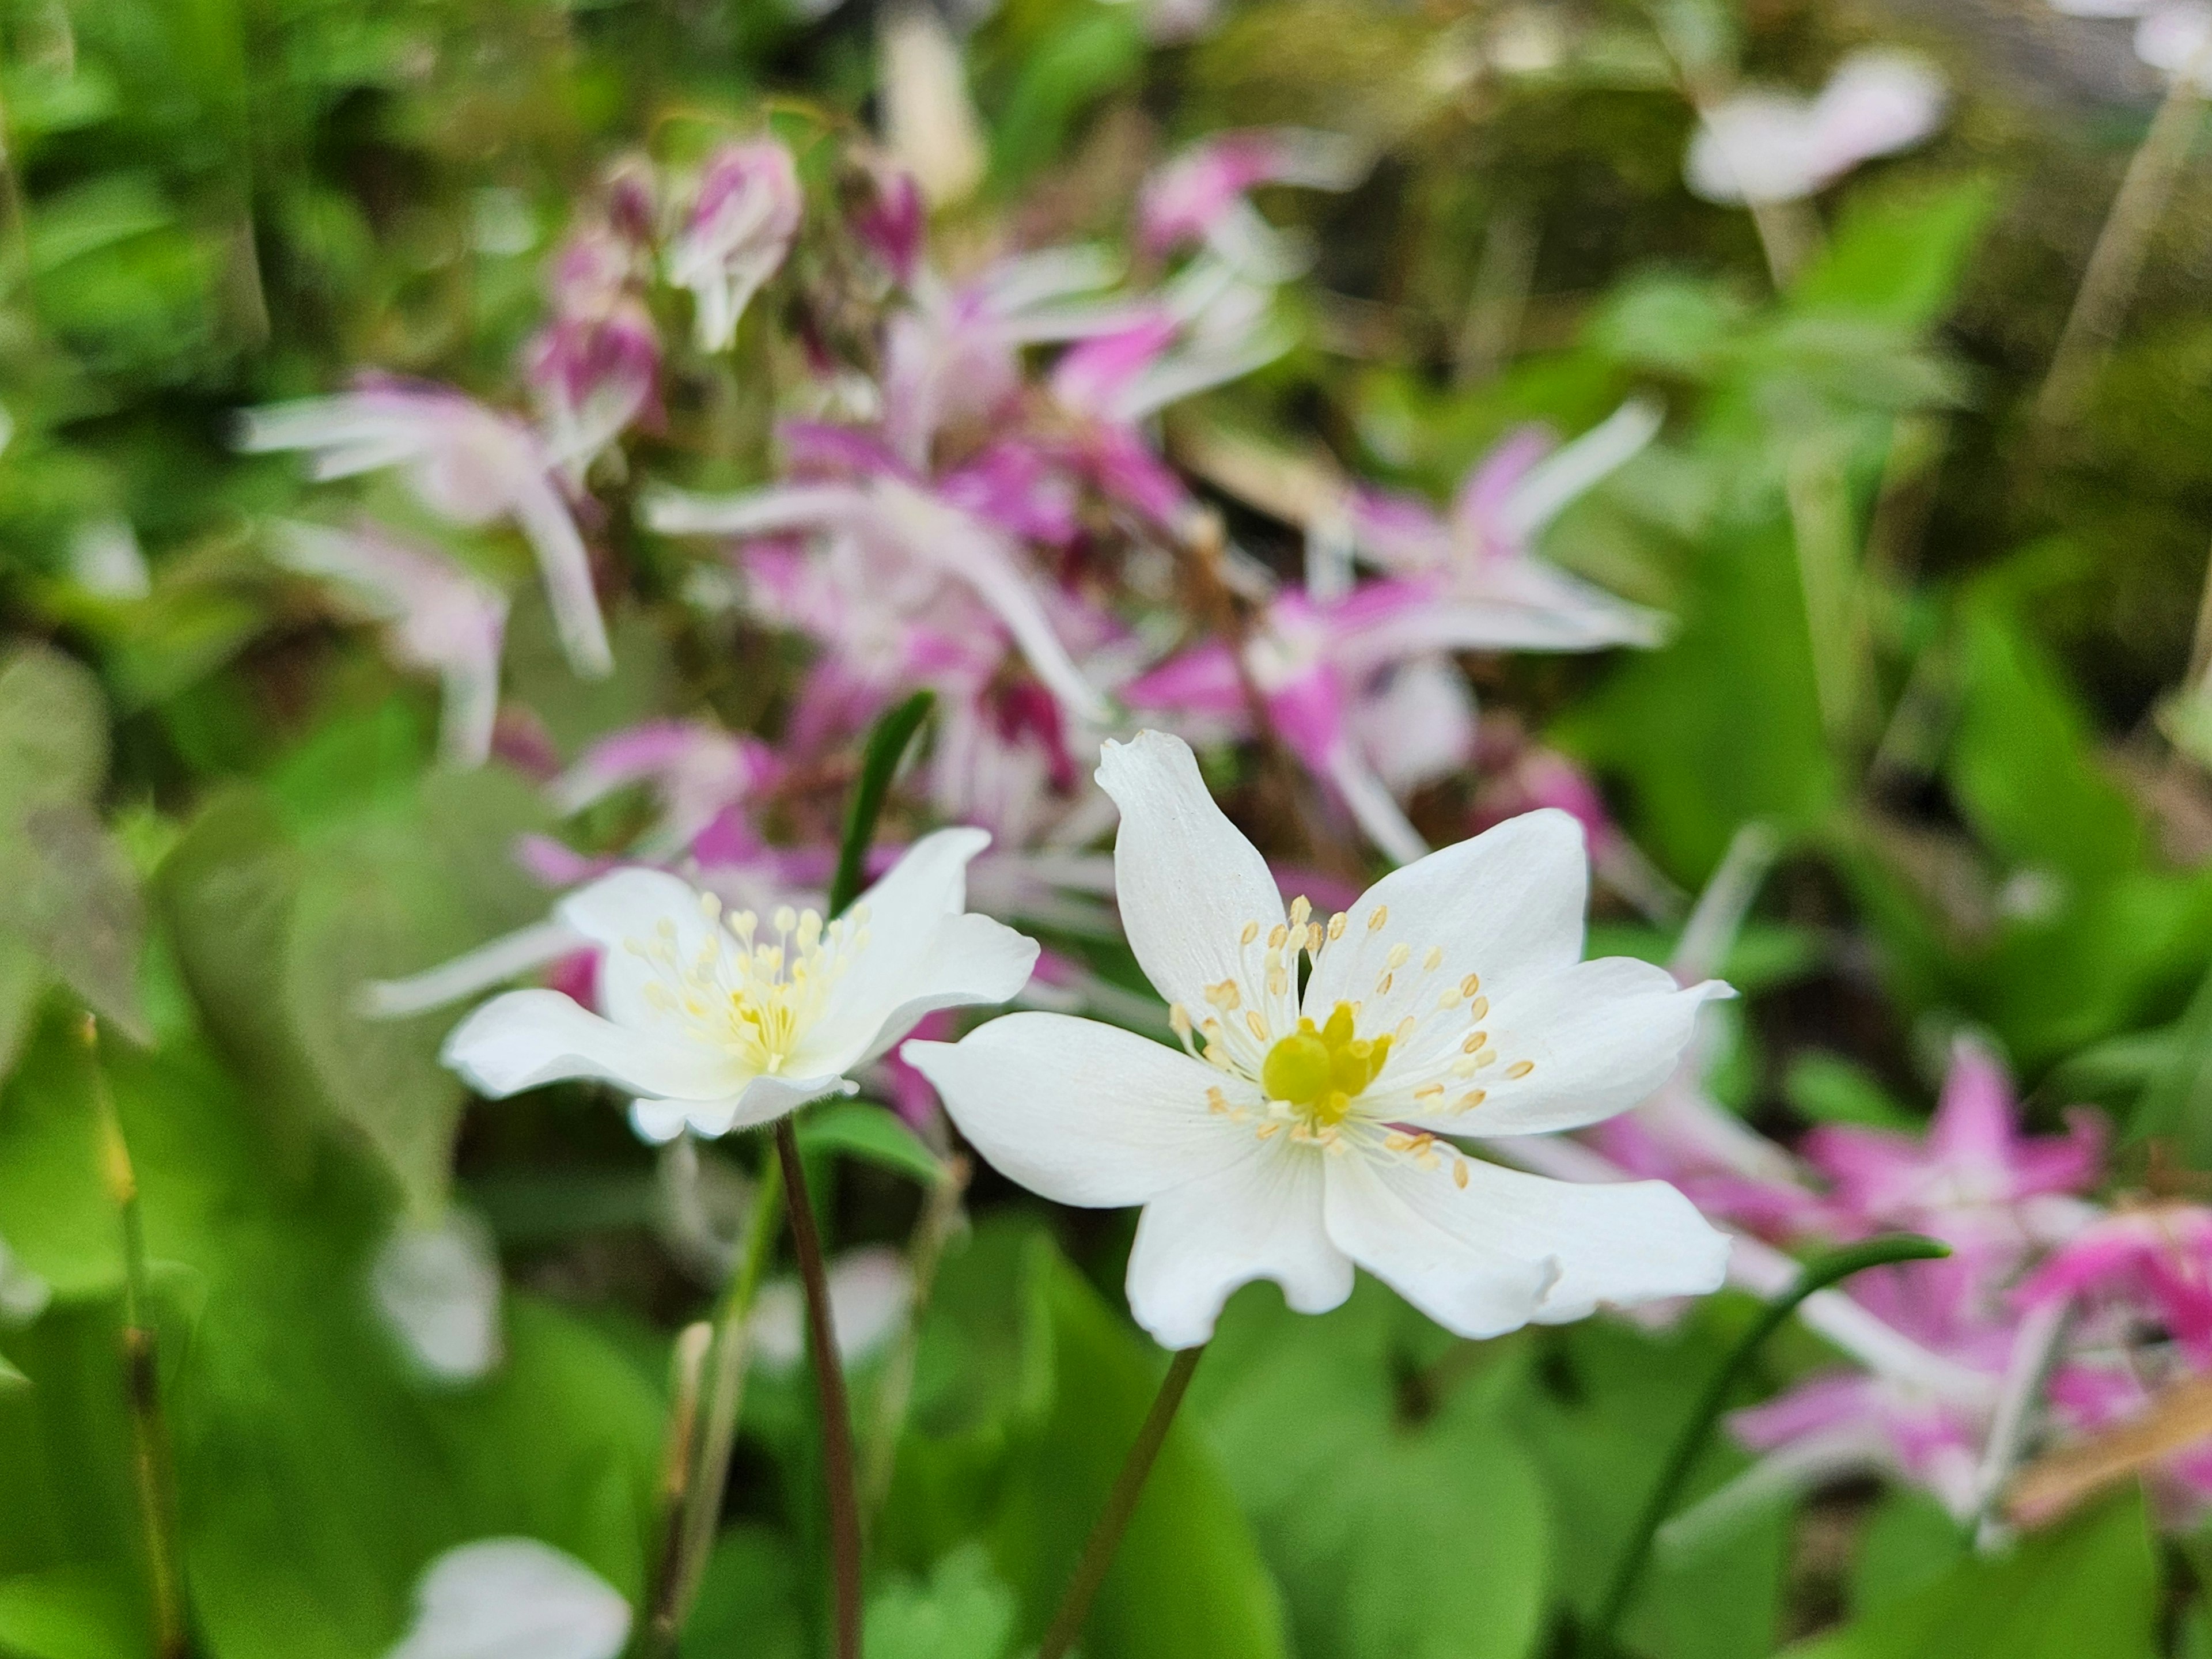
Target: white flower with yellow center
<point>1329,1064</point>
<point>719,1021</point>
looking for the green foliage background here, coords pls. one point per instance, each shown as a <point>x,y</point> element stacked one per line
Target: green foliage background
<point>218,817</point>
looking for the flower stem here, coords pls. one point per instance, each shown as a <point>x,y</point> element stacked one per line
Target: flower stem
<point>1816,1275</point>
<point>1121,1504</point>
<point>687,1367</point>
<point>830,1394</point>
<point>708,1421</point>
<point>2115,263</point>
<point>153,1473</point>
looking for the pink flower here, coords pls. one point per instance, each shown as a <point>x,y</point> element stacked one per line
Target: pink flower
<point>1314,663</point>
<point>2102,1392</point>
<point>894,222</point>
<point>464,462</point>
<point>744,213</point>
<point>905,545</point>
<point>1975,1182</point>
<point>438,618</point>
<point>2155,1257</point>
<point>1111,385</point>
<point>1496,594</point>
<point>593,375</point>
<point>696,772</point>
<point>952,357</point>
<point>1200,196</point>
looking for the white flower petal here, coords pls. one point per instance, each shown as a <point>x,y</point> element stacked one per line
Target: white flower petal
<point>1597,1039</point>
<point>524,1038</point>
<point>1506,905</point>
<point>1470,1257</point>
<point>513,1598</point>
<point>1188,881</point>
<point>626,913</point>
<point>1423,1238</point>
<point>438,1290</point>
<point>1259,1218</point>
<point>923,953</point>
<point>1084,1113</point>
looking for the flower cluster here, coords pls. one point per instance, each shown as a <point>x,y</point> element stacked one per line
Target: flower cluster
<point>2054,1317</point>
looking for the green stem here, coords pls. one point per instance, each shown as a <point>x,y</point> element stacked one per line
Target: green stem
<point>2108,282</point>
<point>152,1470</point>
<point>687,1369</point>
<point>837,1469</point>
<point>1816,1275</point>
<point>697,1504</point>
<point>887,742</point>
<point>1121,1504</point>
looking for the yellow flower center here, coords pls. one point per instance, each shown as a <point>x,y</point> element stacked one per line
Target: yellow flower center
<point>1321,1069</point>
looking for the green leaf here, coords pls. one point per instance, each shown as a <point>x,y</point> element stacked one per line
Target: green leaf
<point>1449,1502</point>
<point>67,892</point>
<point>1722,725</point>
<point>10,1377</point>
<point>53,731</point>
<point>1617,1399</point>
<point>962,1611</point>
<point>2022,763</point>
<point>749,1599</point>
<point>1910,1542</point>
<point>72,1613</point>
<point>873,1134</point>
<point>2177,1098</point>
<point>2090,1586</point>
<point>1898,258</point>
<point>1029,1392</point>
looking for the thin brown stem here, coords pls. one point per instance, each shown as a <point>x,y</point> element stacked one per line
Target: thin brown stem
<point>153,1472</point>
<point>1121,1504</point>
<point>830,1394</point>
<point>2108,282</point>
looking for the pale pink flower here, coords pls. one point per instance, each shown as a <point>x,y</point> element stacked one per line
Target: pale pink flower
<point>1201,196</point>
<point>695,770</point>
<point>906,532</point>
<point>1314,665</point>
<point>744,212</point>
<point>464,462</point>
<point>594,369</point>
<point>1761,147</point>
<point>1494,592</point>
<point>438,618</point>
<point>1975,1182</point>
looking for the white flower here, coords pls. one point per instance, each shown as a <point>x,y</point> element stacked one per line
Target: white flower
<point>870,1291</point>
<point>438,1289</point>
<point>513,1598</point>
<point>718,1022</point>
<point>1451,1000</point>
<point>1762,147</point>
<point>2177,41</point>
